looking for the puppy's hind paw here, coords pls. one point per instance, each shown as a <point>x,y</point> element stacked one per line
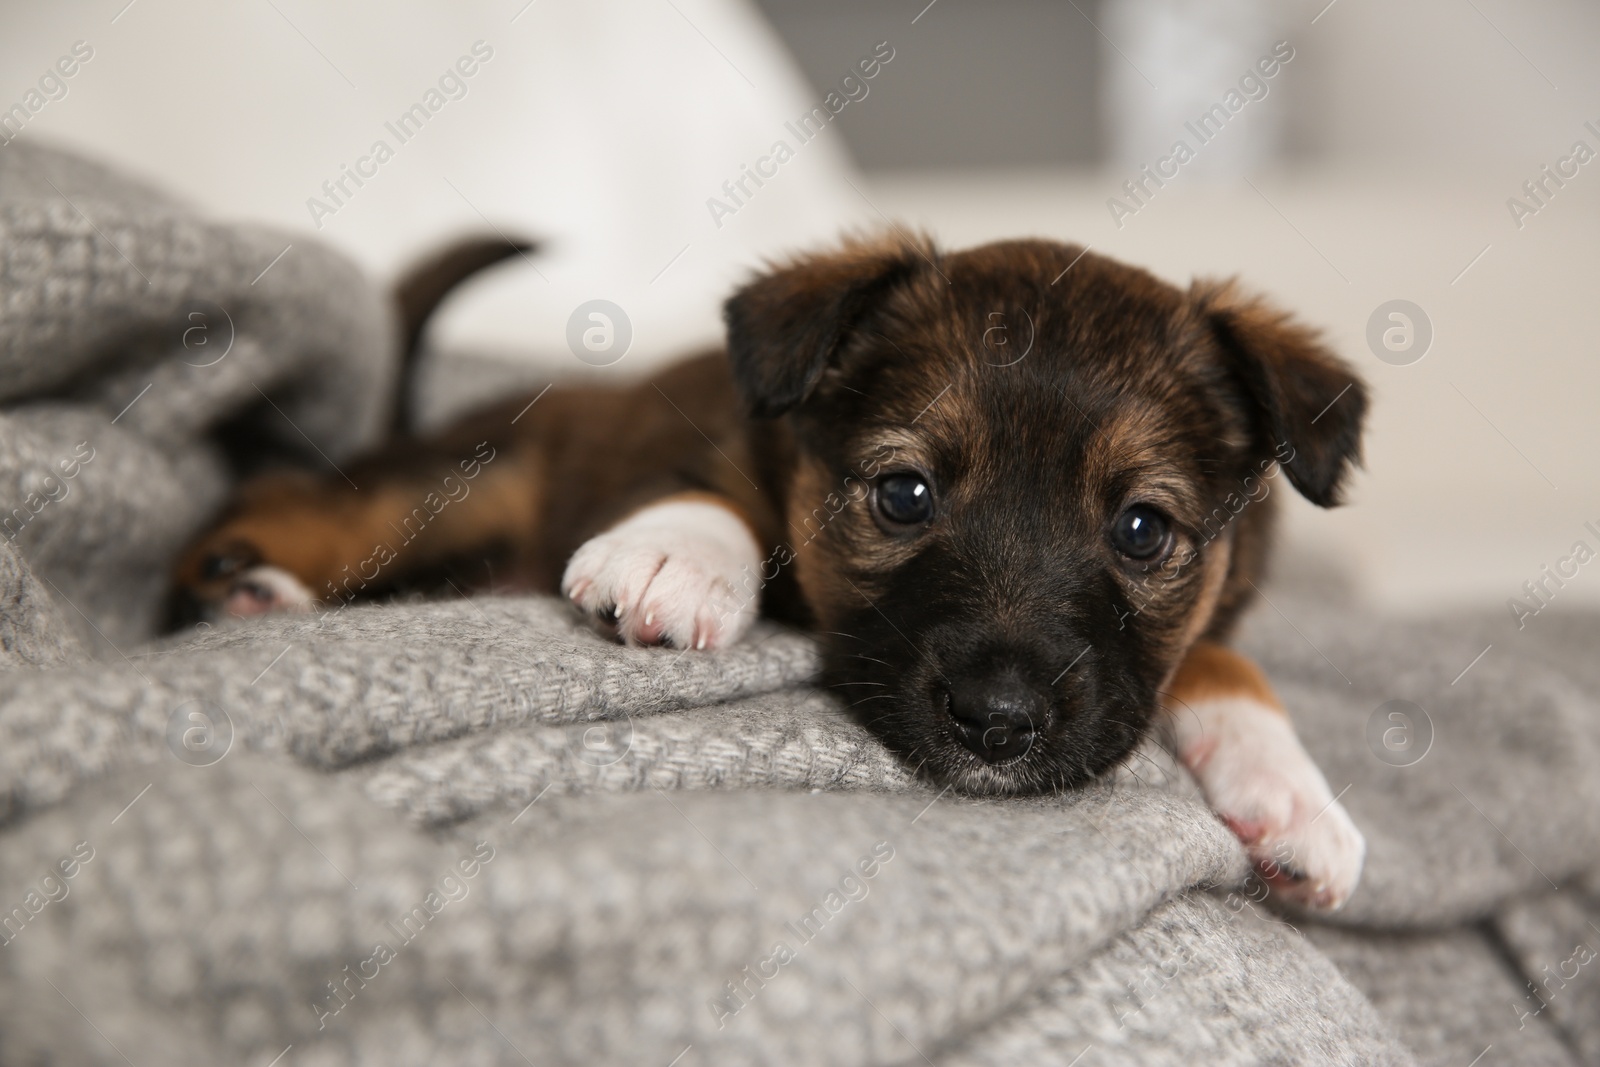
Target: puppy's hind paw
<point>266,590</point>
<point>680,573</point>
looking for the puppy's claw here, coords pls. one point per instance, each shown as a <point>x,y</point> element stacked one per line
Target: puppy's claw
<point>669,576</point>
<point>1262,783</point>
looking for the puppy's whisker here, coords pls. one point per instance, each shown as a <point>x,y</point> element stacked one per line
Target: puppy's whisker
<point>1134,754</point>
<point>874,659</point>
<point>891,341</point>
<point>1163,694</point>
<point>840,685</point>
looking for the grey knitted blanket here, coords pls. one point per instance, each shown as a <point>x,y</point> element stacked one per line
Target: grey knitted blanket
<point>473,832</point>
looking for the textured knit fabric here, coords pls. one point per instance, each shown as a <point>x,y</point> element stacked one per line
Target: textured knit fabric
<point>130,328</point>
<point>474,832</point>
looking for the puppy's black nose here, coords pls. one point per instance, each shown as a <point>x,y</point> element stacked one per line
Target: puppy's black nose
<point>996,718</point>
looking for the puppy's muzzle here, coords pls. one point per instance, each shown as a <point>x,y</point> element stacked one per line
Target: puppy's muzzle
<point>997,717</point>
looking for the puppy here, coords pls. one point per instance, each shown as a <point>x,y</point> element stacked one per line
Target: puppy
<point>1020,493</point>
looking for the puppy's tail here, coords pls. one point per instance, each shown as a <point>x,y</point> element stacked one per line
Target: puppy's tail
<point>420,291</point>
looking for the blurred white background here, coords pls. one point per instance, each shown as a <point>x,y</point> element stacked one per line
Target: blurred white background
<point>1378,167</point>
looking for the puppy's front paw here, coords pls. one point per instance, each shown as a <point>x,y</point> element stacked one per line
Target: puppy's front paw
<point>1256,775</point>
<point>679,573</point>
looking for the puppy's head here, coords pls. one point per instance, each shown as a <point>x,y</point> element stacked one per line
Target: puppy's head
<point>1027,479</point>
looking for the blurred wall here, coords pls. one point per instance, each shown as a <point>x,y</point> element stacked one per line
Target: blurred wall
<point>603,128</point>
<point>1487,86</point>
<point>1428,84</point>
<point>974,85</point>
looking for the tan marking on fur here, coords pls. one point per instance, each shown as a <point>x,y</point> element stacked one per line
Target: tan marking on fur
<point>315,532</point>
<point>504,502</point>
<point>1136,439</point>
<point>1215,578</point>
<point>1211,672</point>
<point>1130,439</point>
<point>1177,632</point>
<point>819,559</point>
<point>893,447</point>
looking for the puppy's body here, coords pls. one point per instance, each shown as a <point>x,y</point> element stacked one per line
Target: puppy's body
<point>1021,493</point>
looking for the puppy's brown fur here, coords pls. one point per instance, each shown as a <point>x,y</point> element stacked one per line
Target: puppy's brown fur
<point>878,358</point>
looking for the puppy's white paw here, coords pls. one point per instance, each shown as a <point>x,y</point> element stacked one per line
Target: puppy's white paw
<point>267,590</point>
<point>1255,774</point>
<point>681,573</point>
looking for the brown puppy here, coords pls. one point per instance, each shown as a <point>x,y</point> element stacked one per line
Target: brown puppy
<point>1021,493</point>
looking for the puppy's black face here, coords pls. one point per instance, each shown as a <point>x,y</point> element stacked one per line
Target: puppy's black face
<point>1022,494</point>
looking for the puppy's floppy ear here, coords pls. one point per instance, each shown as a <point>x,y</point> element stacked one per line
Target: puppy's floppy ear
<point>784,326</point>
<point>1306,399</point>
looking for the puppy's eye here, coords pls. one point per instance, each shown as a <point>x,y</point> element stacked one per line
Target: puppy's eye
<point>902,500</point>
<point>1141,532</point>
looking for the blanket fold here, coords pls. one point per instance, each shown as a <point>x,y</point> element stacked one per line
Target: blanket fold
<point>137,340</point>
